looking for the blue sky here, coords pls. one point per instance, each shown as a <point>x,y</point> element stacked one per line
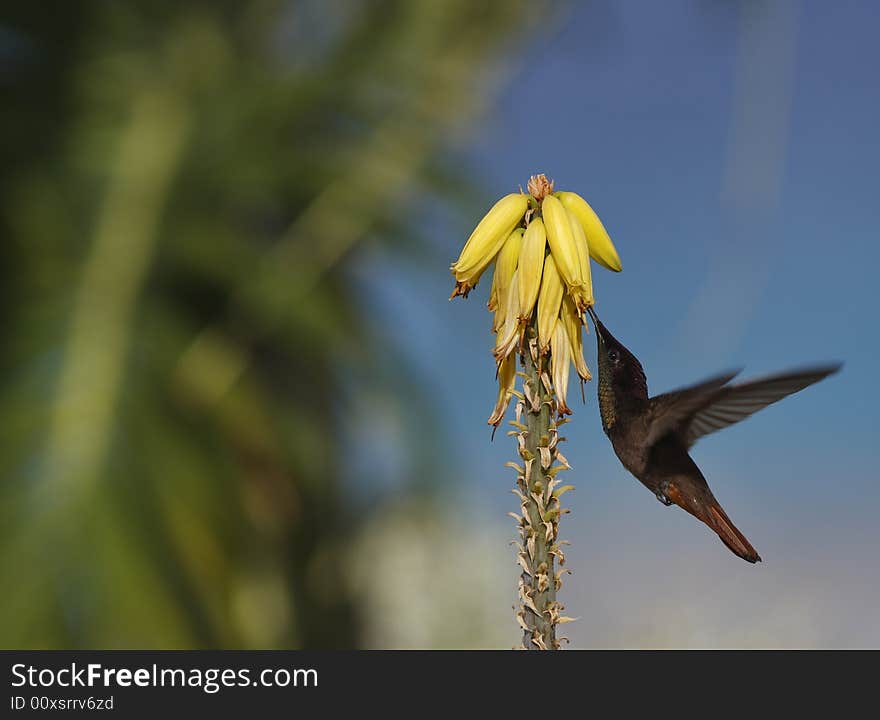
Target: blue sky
<point>732,152</point>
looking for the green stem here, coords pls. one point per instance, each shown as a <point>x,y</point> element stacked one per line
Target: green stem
<point>539,524</point>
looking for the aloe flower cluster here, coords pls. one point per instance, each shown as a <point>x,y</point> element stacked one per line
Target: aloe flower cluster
<point>539,246</point>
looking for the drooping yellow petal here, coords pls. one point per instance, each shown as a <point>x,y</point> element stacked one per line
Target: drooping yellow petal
<point>571,321</point>
<point>602,250</point>
<point>549,300</point>
<point>487,240</point>
<point>560,351</point>
<point>492,302</point>
<point>506,381</point>
<point>583,292</point>
<point>531,265</point>
<point>561,240</point>
<point>505,266</point>
<point>508,336</point>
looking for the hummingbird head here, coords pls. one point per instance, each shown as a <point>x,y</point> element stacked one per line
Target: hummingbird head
<point>621,376</point>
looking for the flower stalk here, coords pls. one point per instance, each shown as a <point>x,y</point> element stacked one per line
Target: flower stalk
<point>540,246</point>
<point>539,492</point>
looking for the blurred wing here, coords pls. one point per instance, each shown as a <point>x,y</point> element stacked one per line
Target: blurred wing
<point>673,411</point>
<point>737,402</point>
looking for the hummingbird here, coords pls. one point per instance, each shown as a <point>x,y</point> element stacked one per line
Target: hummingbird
<point>652,436</point>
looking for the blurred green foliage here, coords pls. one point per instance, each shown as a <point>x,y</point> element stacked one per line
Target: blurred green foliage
<point>182,187</point>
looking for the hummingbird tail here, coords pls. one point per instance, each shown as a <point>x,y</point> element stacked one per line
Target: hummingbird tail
<point>703,506</point>
<point>717,520</point>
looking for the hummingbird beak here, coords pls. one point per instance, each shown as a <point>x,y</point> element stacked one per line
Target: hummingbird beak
<point>596,323</point>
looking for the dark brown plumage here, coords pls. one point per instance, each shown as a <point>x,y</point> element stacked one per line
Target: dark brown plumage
<point>652,436</point>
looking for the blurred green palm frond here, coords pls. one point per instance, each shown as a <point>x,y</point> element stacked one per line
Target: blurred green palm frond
<point>182,187</point>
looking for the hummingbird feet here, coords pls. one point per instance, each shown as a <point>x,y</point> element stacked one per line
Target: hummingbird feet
<point>662,498</point>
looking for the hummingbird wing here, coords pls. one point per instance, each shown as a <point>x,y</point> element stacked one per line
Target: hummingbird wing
<point>672,411</point>
<point>703,409</point>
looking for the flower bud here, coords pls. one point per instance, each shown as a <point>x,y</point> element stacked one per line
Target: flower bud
<point>531,265</point>
<point>561,240</point>
<point>602,250</point>
<point>583,292</point>
<point>549,300</point>
<point>486,240</point>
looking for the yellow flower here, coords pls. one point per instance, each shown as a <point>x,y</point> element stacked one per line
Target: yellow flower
<point>572,322</point>
<point>505,266</point>
<point>561,241</point>
<point>602,250</point>
<point>492,302</point>
<point>486,240</point>
<point>506,382</point>
<point>531,265</point>
<point>561,357</point>
<point>540,246</point>
<point>549,300</point>
<point>508,335</point>
<point>583,292</point>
